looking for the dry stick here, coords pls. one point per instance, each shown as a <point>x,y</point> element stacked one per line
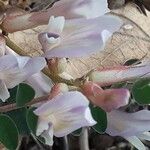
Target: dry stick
<point>14,106</point>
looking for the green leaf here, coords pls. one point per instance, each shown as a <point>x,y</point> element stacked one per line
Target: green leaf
<point>141,91</point>
<point>19,117</point>
<point>32,120</point>
<point>8,132</point>
<point>25,94</point>
<point>77,132</point>
<point>100,116</point>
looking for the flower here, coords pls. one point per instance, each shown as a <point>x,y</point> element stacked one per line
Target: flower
<point>39,82</point>
<point>130,126</point>
<point>108,99</point>
<point>17,20</point>
<point>77,37</point>
<point>62,115</point>
<point>16,69</point>
<point>108,76</point>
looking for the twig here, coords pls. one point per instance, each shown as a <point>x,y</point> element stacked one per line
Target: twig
<point>14,106</point>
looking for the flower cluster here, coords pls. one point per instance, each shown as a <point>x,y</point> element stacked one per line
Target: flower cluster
<point>76,28</point>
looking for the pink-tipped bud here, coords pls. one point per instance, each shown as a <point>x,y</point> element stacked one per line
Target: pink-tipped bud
<point>111,75</point>
<point>108,99</point>
<point>57,89</point>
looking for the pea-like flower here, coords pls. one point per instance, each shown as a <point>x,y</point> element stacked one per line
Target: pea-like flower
<point>108,99</point>
<point>16,69</point>
<point>17,20</point>
<point>108,76</point>
<point>62,115</point>
<point>131,126</point>
<point>77,37</point>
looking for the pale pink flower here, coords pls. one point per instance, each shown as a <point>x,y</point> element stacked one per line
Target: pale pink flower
<point>108,99</point>
<point>62,115</point>
<point>16,69</point>
<point>77,37</point>
<point>39,82</point>
<point>17,20</point>
<point>131,126</point>
<point>108,76</point>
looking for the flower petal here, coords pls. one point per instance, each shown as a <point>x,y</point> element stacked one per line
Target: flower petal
<point>48,135</point>
<point>111,99</point>
<point>108,76</point>
<point>128,124</point>
<point>58,103</point>
<point>72,120</point>
<point>99,8</point>
<point>82,37</point>
<point>41,84</point>
<point>14,76</point>
<point>145,136</point>
<point>34,65</point>
<point>136,142</point>
<point>56,25</point>
<point>7,62</point>
<point>22,60</point>
<point>41,126</point>
<point>18,20</point>
<point>45,129</point>
<point>67,112</point>
<point>4,94</point>
<point>108,99</point>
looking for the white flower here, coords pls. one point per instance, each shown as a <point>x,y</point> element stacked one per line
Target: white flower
<point>17,20</point>
<point>131,126</point>
<point>77,37</point>
<point>62,115</point>
<point>16,69</point>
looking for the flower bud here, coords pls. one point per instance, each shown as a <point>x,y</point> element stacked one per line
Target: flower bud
<point>108,99</point>
<point>57,89</point>
<point>111,75</point>
<point>57,65</point>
